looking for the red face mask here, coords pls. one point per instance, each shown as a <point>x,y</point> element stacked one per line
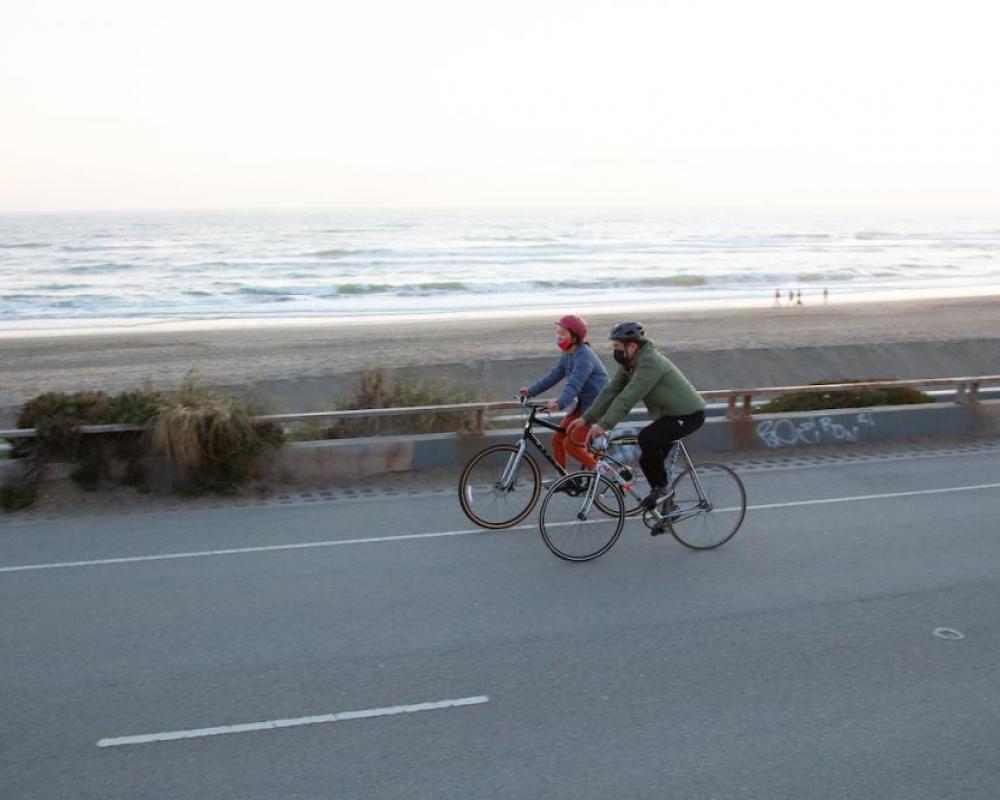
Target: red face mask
<point>564,344</point>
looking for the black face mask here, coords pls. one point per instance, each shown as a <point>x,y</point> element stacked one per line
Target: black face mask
<point>620,356</point>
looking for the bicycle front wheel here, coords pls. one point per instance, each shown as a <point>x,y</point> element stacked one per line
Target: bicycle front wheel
<point>486,499</point>
<point>707,519</point>
<point>571,524</point>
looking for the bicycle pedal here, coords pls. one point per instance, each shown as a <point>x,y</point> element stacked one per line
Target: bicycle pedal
<point>658,530</point>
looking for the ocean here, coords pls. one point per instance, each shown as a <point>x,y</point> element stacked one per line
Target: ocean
<point>86,269</point>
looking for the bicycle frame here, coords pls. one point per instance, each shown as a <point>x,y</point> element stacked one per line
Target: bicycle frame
<point>678,514</point>
<point>527,436</point>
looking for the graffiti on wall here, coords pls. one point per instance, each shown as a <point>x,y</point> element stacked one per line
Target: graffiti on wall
<point>824,430</point>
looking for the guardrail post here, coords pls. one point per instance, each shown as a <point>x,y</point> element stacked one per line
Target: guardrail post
<point>743,424</point>
<point>731,406</point>
<point>966,393</point>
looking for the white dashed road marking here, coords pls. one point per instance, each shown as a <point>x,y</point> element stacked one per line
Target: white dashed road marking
<point>467,532</point>
<point>274,724</point>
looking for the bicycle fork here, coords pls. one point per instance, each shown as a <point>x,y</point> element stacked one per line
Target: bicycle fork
<point>512,464</point>
<point>588,500</point>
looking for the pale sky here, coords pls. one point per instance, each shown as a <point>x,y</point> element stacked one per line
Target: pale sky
<point>396,103</point>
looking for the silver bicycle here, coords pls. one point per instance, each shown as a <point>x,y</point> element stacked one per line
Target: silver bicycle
<point>501,485</point>
<point>583,513</point>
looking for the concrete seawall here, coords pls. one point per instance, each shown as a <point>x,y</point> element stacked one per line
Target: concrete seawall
<point>706,368</point>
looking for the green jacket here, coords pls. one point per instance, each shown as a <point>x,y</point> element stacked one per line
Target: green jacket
<point>652,378</point>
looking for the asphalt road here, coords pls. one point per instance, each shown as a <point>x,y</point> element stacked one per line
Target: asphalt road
<point>842,648</point>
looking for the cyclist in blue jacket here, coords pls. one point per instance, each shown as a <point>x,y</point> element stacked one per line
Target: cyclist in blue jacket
<point>585,377</point>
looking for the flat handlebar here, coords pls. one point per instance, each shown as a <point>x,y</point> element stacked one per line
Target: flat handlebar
<point>524,401</point>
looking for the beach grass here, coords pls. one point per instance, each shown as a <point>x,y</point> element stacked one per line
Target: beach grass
<point>212,438</point>
<point>377,389</point>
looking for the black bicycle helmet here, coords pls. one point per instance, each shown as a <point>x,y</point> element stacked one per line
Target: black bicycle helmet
<point>627,332</point>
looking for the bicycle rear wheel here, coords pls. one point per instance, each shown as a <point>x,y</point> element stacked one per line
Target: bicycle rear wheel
<point>714,520</point>
<point>559,520</point>
<point>488,503</point>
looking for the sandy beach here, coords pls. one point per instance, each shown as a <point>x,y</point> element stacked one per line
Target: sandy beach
<point>306,365</point>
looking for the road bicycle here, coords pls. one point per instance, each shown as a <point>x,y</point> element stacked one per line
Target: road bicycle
<point>584,512</point>
<point>501,485</point>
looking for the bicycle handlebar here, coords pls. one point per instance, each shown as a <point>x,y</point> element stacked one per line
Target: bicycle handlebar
<point>524,401</point>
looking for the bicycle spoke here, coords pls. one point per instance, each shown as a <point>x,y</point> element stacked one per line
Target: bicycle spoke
<point>708,519</point>
<point>487,499</point>
<point>565,533</point>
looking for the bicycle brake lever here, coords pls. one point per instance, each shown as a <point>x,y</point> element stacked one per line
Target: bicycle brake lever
<point>599,444</point>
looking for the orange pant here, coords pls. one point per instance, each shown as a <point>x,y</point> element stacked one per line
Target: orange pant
<point>574,444</point>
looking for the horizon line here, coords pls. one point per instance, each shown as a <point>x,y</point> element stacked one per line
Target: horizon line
<point>515,208</point>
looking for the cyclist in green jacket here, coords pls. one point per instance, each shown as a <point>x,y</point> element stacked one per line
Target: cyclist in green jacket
<point>675,406</point>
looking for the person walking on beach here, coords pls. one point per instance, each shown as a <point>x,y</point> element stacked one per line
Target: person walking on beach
<point>674,404</point>
<point>585,377</point>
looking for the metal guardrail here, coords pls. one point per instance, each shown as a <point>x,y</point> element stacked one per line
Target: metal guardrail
<point>306,416</point>
<point>739,403</point>
<point>966,390</point>
<point>30,433</point>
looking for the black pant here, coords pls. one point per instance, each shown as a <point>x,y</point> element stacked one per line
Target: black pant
<point>655,440</point>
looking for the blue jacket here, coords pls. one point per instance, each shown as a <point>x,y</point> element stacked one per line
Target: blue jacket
<point>585,377</point>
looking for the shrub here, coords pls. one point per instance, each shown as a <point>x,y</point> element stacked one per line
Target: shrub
<point>15,498</point>
<point>136,407</point>
<point>20,492</point>
<point>211,438</point>
<point>58,417</point>
<point>846,398</point>
<point>375,390</point>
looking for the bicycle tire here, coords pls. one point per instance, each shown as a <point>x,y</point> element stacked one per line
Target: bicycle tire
<point>572,539</point>
<point>467,493</point>
<point>710,528</point>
